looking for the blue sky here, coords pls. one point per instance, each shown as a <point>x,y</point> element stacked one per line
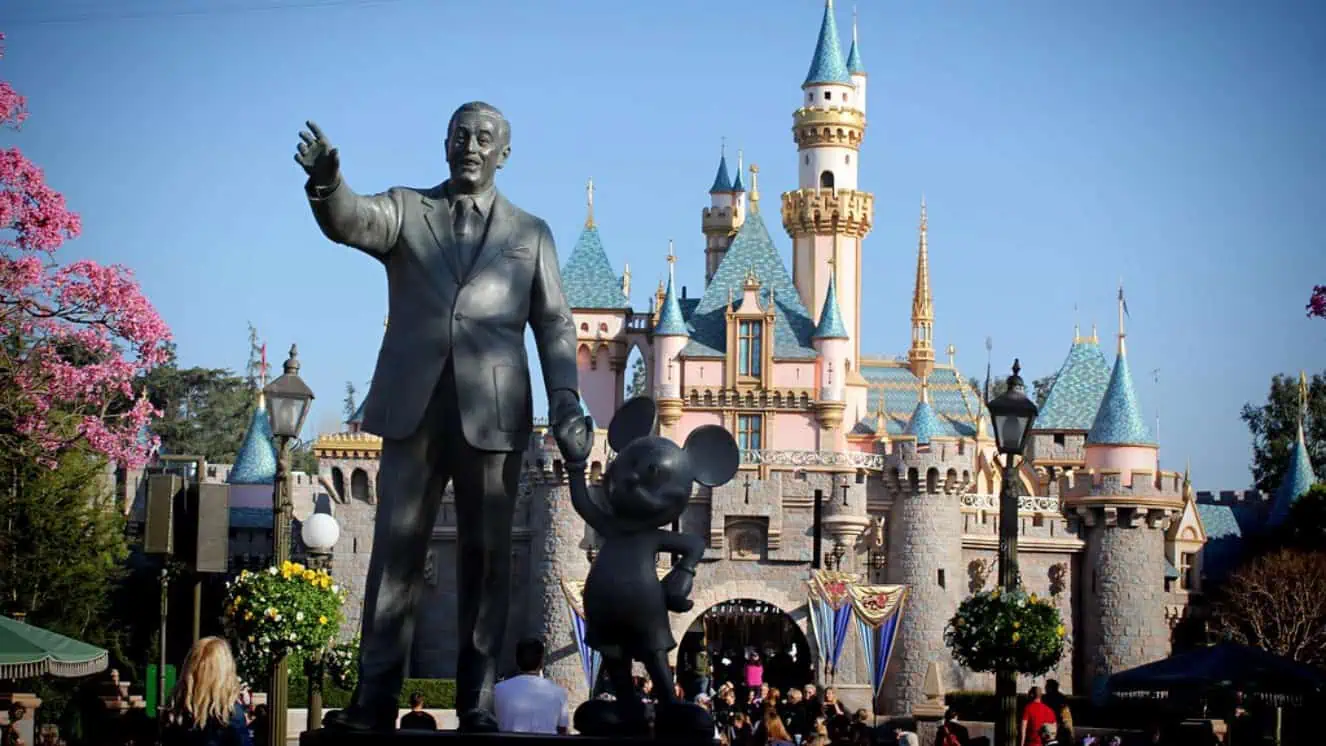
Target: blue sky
<point>1060,146</point>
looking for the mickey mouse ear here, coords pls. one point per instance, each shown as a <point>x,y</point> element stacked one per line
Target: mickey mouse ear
<point>634,420</point>
<point>713,455</point>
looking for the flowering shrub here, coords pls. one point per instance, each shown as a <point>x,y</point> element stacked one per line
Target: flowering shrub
<point>342,662</point>
<point>77,336</point>
<point>281,611</point>
<point>1317,302</point>
<point>993,630</point>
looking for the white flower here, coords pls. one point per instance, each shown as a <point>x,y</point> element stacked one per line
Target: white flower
<point>273,571</point>
<point>299,616</point>
<point>336,589</point>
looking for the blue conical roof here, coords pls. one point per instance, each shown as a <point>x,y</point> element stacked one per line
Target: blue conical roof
<point>924,424</point>
<point>722,182</point>
<point>827,64</point>
<point>1078,389</point>
<point>588,278</point>
<point>670,320</point>
<point>737,186</point>
<point>831,319</point>
<point>1119,420</point>
<point>1298,479</point>
<point>854,64</point>
<point>256,462</point>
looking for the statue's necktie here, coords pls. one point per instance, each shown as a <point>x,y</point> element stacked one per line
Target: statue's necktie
<point>469,230</point>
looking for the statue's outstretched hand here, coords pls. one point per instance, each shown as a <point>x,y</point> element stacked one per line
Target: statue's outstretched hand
<point>317,156</point>
<point>575,439</point>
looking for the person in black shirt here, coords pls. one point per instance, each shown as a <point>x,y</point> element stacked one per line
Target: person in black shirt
<point>793,713</point>
<point>416,718</point>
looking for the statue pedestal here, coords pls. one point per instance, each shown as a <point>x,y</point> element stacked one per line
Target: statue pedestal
<point>418,738</point>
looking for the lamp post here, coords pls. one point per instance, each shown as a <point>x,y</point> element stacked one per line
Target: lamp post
<point>1012,414</point>
<point>834,559</point>
<point>319,532</point>
<point>288,399</point>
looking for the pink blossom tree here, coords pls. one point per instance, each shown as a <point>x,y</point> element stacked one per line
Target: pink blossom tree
<point>1317,303</point>
<point>74,338</point>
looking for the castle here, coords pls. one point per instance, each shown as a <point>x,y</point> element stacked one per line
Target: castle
<point>896,455</point>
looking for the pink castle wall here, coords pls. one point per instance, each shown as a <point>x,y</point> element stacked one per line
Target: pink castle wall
<point>702,373</point>
<point>598,386</point>
<point>691,420</point>
<point>1126,459</point>
<point>793,431</point>
<point>794,375</point>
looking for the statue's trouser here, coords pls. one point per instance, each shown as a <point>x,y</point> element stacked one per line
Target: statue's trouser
<point>411,477</point>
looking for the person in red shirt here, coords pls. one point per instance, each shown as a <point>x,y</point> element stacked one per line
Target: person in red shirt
<point>1036,715</point>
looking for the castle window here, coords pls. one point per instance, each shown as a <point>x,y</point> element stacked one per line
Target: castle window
<point>807,160</point>
<point>827,95</point>
<point>847,159</point>
<point>749,338</point>
<point>1187,571</point>
<point>1058,439</point>
<point>941,578</point>
<point>826,180</point>
<point>810,98</point>
<point>748,431</point>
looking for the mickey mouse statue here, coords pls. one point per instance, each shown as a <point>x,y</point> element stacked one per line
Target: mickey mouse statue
<point>646,486</point>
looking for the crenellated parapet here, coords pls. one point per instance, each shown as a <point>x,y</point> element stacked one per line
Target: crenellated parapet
<point>1233,497</point>
<point>840,126</point>
<point>722,221</point>
<point>928,469</point>
<point>824,212</point>
<point>1141,487</point>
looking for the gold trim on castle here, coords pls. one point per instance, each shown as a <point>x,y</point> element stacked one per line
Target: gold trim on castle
<point>824,212</point>
<point>839,126</point>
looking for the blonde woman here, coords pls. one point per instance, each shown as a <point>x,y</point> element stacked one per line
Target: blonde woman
<point>205,708</point>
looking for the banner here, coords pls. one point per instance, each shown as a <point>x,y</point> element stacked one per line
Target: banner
<point>878,610</point>
<point>830,611</point>
<point>590,659</point>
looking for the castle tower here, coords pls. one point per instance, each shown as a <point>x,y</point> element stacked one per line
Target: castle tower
<point>721,220</point>
<point>1126,508</point>
<point>1299,478</point>
<point>834,347</point>
<point>856,69</point>
<point>1058,438</point>
<point>925,554</point>
<point>600,308</point>
<point>921,355</point>
<point>827,216</point>
<point>670,336</point>
<point>924,424</point>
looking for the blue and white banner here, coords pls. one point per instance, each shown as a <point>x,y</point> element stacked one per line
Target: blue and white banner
<point>590,659</point>
<point>830,605</point>
<point>878,610</point>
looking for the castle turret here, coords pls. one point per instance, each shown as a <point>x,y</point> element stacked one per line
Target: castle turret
<point>256,461</point>
<point>724,216</point>
<point>1126,506</point>
<point>834,347</point>
<point>856,69</point>
<point>921,355</point>
<point>1299,478</point>
<point>670,336</point>
<point>600,309</point>
<point>924,553</point>
<point>1058,438</point>
<point>827,216</point>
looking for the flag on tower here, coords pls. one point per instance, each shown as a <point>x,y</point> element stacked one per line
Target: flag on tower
<point>1124,302</point>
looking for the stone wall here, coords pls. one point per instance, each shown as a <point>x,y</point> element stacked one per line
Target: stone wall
<point>1123,591</point>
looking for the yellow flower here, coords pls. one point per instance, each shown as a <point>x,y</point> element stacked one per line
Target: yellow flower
<point>251,638</point>
<point>248,616</point>
<point>238,600</point>
<point>1059,630</point>
<point>296,567</point>
<point>1017,625</point>
<point>1016,637</point>
<point>322,620</point>
<point>1033,598</point>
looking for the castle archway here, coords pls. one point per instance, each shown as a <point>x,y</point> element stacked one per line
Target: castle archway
<point>731,630</point>
<point>708,595</point>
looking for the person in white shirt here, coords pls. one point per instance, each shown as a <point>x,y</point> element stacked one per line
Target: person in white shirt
<point>529,703</point>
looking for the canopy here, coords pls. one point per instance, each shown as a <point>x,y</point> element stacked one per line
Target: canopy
<point>1223,666</point>
<point>27,652</point>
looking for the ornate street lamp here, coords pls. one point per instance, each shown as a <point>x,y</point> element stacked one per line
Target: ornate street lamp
<point>834,559</point>
<point>319,532</point>
<point>1012,414</point>
<point>288,399</point>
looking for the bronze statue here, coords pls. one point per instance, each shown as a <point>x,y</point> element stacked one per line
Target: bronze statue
<point>467,271</point>
<point>646,486</point>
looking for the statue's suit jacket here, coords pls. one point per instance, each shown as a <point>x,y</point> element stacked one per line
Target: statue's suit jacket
<point>440,309</point>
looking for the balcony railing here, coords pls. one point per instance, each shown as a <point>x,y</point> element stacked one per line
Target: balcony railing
<point>812,458</point>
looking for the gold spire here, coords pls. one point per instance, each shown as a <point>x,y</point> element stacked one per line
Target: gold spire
<point>672,263</point>
<point>1302,397</point>
<point>921,356</point>
<point>1094,336</point>
<point>626,279</point>
<point>589,203</point>
<point>754,195</point>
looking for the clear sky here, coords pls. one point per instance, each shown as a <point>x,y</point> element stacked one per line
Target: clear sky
<point>1060,146</point>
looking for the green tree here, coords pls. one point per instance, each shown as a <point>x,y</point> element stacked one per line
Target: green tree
<point>637,385</point>
<point>350,406</point>
<point>255,370</point>
<point>205,411</point>
<point>1040,388</point>
<point>1274,426</point>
